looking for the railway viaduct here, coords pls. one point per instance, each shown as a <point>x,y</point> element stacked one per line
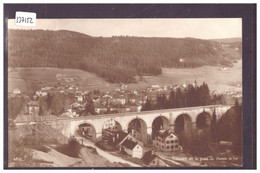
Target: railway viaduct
<point>171,119</point>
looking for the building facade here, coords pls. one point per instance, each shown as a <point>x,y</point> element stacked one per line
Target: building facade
<point>165,140</point>
<point>33,108</point>
<point>132,148</point>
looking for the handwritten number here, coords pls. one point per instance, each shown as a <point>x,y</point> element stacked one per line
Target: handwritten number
<point>24,20</point>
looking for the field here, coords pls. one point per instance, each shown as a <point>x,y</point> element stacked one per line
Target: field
<point>32,79</point>
<point>218,78</point>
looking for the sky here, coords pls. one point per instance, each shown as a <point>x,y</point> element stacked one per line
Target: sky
<point>203,28</point>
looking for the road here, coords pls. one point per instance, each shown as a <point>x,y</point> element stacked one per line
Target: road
<point>105,154</point>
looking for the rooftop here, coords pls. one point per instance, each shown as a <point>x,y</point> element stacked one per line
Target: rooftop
<point>121,136</point>
<point>129,144</point>
<point>164,133</point>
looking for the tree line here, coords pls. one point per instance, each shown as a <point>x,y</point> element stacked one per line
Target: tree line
<point>188,97</point>
<point>116,59</point>
<point>228,128</point>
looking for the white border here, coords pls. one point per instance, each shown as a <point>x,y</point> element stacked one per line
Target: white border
<point>114,1</point>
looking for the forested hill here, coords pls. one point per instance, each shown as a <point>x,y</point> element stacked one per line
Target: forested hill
<point>117,59</point>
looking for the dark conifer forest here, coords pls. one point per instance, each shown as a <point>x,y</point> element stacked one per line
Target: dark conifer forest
<point>189,97</point>
<point>116,59</point>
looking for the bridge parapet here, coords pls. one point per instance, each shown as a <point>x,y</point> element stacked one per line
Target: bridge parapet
<point>68,126</point>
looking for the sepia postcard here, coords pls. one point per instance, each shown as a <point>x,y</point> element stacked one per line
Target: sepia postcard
<point>124,92</point>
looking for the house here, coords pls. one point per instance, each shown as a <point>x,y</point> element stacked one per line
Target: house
<point>33,107</point>
<point>143,99</point>
<point>155,86</point>
<point>41,93</point>
<point>69,113</point>
<point>135,134</point>
<point>74,105</point>
<point>132,148</point>
<point>62,91</point>
<point>133,107</point>
<point>153,160</point>
<point>99,108</point>
<point>46,88</point>
<point>118,108</point>
<point>132,98</point>
<point>126,136</point>
<point>16,91</point>
<point>123,86</point>
<point>165,87</point>
<point>114,136</point>
<point>72,113</point>
<point>119,137</point>
<point>111,124</point>
<point>106,99</point>
<point>119,99</point>
<point>80,98</point>
<point>166,140</point>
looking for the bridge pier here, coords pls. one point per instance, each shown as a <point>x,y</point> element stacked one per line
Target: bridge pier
<point>125,130</point>
<point>149,135</point>
<point>98,136</point>
<point>171,127</point>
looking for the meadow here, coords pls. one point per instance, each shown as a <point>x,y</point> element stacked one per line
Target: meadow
<point>218,78</point>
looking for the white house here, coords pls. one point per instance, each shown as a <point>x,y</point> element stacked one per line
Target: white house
<point>132,148</point>
<point>99,108</point>
<point>41,93</point>
<point>166,140</point>
<point>110,124</point>
<point>72,113</point>
<point>119,99</point>
<point>16,91</point>
<point>46,88</point>
<point>80,98</point>
<point>155,86</point>
<point>124,136</point>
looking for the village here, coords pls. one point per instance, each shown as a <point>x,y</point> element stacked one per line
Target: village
<point>127,145</point>
<point>103,102</point>
<point>97,102</point>
<point>114,139</point>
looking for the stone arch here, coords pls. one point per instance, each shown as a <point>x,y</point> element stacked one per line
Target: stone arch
<point>183,128</point>
<point>110,129</point>
<point>137,127</point>
<point>160,123</point>
<point>182,122</point>
<point>86,130</point>
<point>203,120</point>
